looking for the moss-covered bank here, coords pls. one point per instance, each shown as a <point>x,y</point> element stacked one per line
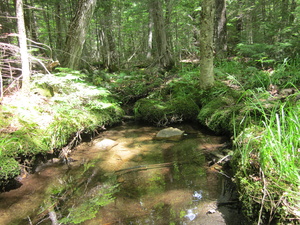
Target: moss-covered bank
<point>60,110</point>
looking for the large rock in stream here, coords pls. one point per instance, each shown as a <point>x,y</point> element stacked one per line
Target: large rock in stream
<point>169,133</point>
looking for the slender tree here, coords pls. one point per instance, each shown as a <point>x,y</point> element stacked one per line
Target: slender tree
<point>220,36</point>
<point>23,48</point>
<point>162,51</point>
<point>77,33</point>
<point>150,38</point>
<point>206,44</point>
<point>109,46</point>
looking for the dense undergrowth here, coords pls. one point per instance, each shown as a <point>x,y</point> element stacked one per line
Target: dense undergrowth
<point>267,164</point>
<point>258,107</point>
<point>266,139</point>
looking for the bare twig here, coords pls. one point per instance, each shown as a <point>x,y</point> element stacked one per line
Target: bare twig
<point>264,196</point>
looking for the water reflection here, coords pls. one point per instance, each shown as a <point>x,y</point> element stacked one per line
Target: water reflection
<point>124,176</point>
<point>190,214</point>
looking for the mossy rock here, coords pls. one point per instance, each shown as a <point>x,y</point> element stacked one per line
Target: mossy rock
<point>9,168</point>
<point>151,110</point>
<point>184,107</point>
<point>44,89</point>
<point>219,90</point>
<point>219,114</point>
<point>162,113</point>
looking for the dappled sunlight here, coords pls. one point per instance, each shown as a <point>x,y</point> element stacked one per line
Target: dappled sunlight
<point>25,108</point>
<point>158,180</point>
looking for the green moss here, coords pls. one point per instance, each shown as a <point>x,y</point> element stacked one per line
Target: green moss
<point>47,124</point>
<point>44,89</point>
<point>9,168</point>
<point>218,114</point>
<point>162,113</point>
<point>23,142</point>
<point>150,110</point>
<point>185,107</point>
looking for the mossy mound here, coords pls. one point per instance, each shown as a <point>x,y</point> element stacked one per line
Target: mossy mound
<point>162,113</point>
<point>9,168</point>
<point>38,124</point>
<point>219,114</point>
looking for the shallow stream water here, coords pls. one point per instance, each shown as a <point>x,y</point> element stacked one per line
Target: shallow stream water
<point>125,176</point>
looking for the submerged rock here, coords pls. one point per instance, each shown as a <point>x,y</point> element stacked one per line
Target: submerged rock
<point>105,144</point>
<point>170,133</point>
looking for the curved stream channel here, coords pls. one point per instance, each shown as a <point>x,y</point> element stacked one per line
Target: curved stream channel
<point>125,176</point>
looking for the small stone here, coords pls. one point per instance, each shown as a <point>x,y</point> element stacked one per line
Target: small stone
<point>211,211</point>
<point>170,134</point>
<point>105,144</point>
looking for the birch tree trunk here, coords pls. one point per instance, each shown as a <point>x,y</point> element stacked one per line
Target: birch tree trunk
<point>206,44</point>
<point>23,48</point>
<point>77,33</point>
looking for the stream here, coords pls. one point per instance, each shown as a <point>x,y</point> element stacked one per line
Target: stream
<point>125,176</point>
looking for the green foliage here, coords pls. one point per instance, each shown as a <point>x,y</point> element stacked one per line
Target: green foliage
<point>151,110</point>
<point>254,78</point>
<point>73,107</point>
<point>78,106</point>
<point>287,74</point>
<point>184,106</point>
<point>258,52</point>
<point>280,151</point>
<point>25,142</point>
<point>133,85</point>
<point>186,85</point>
<point>267,164</point>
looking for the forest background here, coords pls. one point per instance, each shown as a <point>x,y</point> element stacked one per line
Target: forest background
<point>255,47</point>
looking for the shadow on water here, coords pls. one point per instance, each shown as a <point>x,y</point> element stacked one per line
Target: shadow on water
<point>124,176</point>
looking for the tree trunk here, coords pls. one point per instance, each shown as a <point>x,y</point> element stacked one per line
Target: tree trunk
<point>47,19</point>
<point>59,32</point>
<point>206,44</point>
<point>109,47</point>
<point>150,38</point>
<point>163,55</point>
<point>248,22</point>
<point>23,48</point>
<point>77,33</point>
<point>168,22</point>
<point>220,29</point>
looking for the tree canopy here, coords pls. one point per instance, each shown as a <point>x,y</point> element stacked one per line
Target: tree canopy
<point>122,34</point>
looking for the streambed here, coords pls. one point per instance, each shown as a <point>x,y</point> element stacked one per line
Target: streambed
<point>125,176</point>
